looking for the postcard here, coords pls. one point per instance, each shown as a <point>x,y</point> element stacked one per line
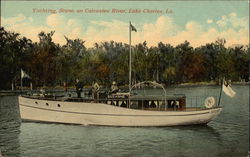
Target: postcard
<point>124,78</point>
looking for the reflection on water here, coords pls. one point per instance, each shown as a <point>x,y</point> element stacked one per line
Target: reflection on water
<point>225,136</point>
<point>119,141</point>
<point>9,127</point>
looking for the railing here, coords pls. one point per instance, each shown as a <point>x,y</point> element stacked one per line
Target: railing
<point>198,101</point>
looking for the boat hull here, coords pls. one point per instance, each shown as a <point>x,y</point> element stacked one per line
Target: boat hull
<point>102,114</point>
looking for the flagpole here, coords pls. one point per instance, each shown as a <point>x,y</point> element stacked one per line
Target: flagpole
<point>222,82</point>
<point>129,63</point>
<point>249,83</point>
<point>21,82</point>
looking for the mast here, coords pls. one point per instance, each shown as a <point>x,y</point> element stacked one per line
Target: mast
<point>21,82</point>
<point>129,63</point>
<point>249,82</point>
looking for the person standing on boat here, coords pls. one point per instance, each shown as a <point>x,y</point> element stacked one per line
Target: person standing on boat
<point>79,87</point>
<point>114,88</point>
<point>95,88</point>
<point>65,87</point>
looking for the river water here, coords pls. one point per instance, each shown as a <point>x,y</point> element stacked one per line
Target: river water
<point>226,136</point>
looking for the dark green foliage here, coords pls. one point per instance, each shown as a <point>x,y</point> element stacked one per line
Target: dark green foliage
<point>14,51</point>
<point>50,64</point>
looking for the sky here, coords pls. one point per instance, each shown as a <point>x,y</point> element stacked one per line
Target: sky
<point>173,22</point>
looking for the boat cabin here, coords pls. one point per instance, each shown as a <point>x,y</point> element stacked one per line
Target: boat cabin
<point>126,100</point>
<point>174,102</point>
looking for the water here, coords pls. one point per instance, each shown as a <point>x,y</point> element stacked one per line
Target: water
<point>227,136</point>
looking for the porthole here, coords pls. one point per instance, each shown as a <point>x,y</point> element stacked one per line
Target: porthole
<point>36,102</point>
<point>58,105</point>
<point>47,104</point>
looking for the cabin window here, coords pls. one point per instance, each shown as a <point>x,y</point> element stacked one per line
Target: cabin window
<point>47,104</point>
<point>58,105</point>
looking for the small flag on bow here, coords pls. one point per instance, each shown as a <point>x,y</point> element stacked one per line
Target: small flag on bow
<point>24,75</point>
<point>228,90</point>
<point>133,28</point>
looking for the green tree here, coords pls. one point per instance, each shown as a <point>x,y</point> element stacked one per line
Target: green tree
<point>44,63</point>
<point>14,53</point>
<point>73,58</point>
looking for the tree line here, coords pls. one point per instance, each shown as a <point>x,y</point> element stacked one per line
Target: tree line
<point>51,64</point>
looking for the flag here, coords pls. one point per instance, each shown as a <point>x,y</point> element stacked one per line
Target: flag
<point>228,90</point>
<point>133,28</point>
<point>24,75</point>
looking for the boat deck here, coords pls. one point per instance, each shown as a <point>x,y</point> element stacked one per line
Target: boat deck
<point>149,103</point>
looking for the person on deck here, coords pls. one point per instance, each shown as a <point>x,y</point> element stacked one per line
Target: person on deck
<point>95,88</point>
<point>65,88</point>
<point>79,87</point>
<point>114,88</point>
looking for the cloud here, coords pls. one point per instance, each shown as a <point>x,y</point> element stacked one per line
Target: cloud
<point>202,36</point>
<point>99,31</point>
<point>30,19</point>
<point>209,21</point>
<point>26,27</point>
<point>163,29</point>
<point>111,24</point>
<point>70,28</point>
<point>222,22</point>
<point>233,21</point>
<point>23,25</point>
<point>197,35</point>
<point>232,15</point>
<point>72,23</point>
<point>56,21</point>
<point>13,20</point>
<point>160,30</point>
<point>116,30</point>
<point>193,27</point>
